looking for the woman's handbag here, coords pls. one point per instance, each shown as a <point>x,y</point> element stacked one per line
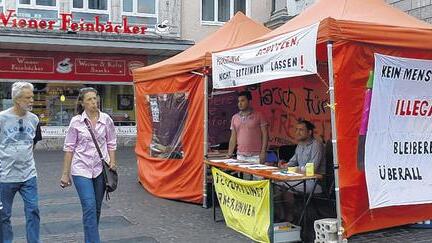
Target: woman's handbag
<point>110,176</point>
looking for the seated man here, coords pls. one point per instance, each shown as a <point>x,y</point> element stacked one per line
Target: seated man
<point>308,150</point>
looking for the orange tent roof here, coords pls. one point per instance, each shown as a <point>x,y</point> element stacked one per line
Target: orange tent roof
<point>239,30</point>
<point>367,21</point>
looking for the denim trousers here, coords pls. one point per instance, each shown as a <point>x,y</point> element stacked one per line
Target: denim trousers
<point>29,194</point>
<point>91,192</point>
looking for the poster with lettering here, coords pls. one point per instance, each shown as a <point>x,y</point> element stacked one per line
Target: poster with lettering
<point>282,102</point>
<point>398,152</point>
<point>245,204</point>
<point>289,55</point>
<point>222,106</point>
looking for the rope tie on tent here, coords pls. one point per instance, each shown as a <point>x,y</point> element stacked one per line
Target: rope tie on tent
<point>322,80</point>
<point>332,106</point>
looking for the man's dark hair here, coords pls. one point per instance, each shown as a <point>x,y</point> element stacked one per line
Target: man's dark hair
<point>246,94</point>
<point>309,125</point>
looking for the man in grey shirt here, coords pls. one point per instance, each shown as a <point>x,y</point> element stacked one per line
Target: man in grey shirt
<point>308,150</point>
<point>18,129</point>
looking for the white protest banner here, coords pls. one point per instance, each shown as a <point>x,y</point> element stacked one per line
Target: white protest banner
<point>288,55</point>
<point>398,152</point>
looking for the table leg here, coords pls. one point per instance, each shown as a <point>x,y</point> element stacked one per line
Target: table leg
<point>271,227</point>
<point>306,203</point>
<point>213,201</point>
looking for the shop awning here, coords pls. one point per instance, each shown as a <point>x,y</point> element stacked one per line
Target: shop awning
<point>90,43</point>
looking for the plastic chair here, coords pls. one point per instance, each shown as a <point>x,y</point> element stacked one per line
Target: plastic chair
<point>272,157</point>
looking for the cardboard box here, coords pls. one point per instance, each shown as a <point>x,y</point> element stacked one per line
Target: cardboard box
<point>286,232</point>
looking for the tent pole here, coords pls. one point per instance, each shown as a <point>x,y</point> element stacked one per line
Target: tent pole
<point>205,140</point>
<point>334,138</point>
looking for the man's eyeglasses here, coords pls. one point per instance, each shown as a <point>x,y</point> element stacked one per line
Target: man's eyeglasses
<point>21,126</point>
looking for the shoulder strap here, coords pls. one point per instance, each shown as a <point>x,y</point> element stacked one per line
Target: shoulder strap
<point>87,122</point>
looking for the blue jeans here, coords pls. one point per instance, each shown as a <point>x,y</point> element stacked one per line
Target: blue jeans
<point>28,191</point>
<point>91,193</point>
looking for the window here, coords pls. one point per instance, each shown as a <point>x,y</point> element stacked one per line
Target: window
<point>53,110</point>
<point>99,6</point>
<point>1,6</point>
<point>141,11</point>
<point>140,6</point>
<point>168,116</point>
<point>38,9</point>
<point>219,11</point>
<point>88,9</point>
<point>91,4</point>
<point>34,3</point>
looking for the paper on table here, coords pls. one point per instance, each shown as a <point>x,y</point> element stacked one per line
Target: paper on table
<point>264,168</point>
<point>288,173</point>
<point>240,163</point>
<point>250,166</point>
<point>224,160</point>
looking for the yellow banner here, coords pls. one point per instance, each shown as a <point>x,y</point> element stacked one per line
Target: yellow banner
<point>245,204</point>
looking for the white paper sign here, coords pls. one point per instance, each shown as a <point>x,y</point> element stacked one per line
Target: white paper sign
<point>60,131</point>
<point>398,152</point>
<point>289,55</point>
<point>154,109</point>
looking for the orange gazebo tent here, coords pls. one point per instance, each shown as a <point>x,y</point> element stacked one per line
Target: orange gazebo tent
<point>353,30</point>
<point>182,179</point>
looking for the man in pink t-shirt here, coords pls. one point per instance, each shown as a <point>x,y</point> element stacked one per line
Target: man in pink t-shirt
<point>248,132</point>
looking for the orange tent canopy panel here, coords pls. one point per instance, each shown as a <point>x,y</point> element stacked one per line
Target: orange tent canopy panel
<point>239,30</point>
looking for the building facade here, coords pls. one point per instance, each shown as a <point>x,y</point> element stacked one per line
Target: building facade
<point>202,17</point>
<point>284,10</point>
<point>421,9</point>
<point>63,46</point>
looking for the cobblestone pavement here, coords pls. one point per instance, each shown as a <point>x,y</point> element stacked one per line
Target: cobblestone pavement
<point>134,215</point>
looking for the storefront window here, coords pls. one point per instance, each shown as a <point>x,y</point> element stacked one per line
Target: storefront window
<point>54,103</point>
<point>168,115</point>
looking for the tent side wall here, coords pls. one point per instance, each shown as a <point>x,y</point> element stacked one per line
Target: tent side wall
<point>352,63</point>
<point>179,179</point>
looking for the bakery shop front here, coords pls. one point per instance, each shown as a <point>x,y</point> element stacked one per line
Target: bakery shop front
<point>65,56</point>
